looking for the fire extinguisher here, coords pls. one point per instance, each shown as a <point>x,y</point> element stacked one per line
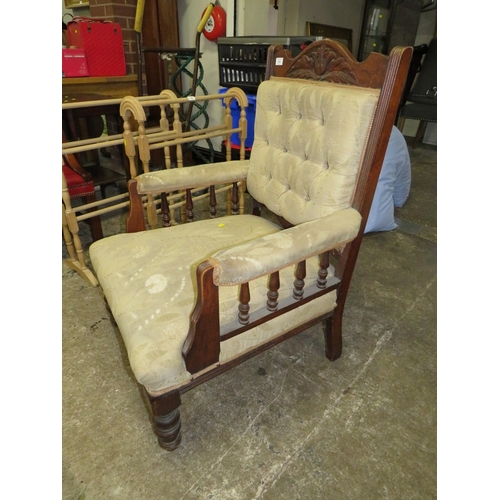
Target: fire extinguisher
<point>215,24</point>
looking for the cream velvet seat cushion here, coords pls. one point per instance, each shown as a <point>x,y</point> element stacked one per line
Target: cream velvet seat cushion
<point>149,280</point>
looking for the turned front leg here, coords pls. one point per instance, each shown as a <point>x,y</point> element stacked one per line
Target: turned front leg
<point>167,419</point>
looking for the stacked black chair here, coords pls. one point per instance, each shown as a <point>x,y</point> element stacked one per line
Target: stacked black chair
<point>421,103</point>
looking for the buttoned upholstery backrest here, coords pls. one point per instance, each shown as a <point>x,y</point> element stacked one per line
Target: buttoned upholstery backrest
<point>310,140</point>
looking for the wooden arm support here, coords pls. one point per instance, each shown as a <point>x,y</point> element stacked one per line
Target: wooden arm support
<point>135,219</point>
<point>202,345</point>
<point>201,348</point>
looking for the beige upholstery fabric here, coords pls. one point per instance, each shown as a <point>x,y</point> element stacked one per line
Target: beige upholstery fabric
<point>308,178</point>
<point>149,281</point>
<point>270,253</point>
<point>304,162</point>
<point>196,176</point>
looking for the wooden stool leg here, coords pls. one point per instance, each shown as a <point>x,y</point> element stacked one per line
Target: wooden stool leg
<point>420,134</point>
<point>95,222</point>
<point>401,123</point>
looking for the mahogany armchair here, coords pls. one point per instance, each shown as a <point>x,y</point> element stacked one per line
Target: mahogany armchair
<point>194,300</point>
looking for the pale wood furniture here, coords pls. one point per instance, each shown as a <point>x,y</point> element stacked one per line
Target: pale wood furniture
<point>194,300</point>
<point>138,141</point>
<point>81,120</point>
<point>80,184</point>
<point>107,86</point>
<point>77,183</point>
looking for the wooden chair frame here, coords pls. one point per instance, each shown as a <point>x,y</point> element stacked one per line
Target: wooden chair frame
<point>323,60</point>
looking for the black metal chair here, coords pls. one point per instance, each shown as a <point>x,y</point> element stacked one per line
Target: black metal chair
<point>419,52</point>
<point>421,103</point>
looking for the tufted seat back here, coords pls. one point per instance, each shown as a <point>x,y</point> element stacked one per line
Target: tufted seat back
<point>305,162</point>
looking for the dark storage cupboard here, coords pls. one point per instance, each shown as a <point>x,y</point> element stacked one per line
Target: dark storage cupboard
<point>388,23</point>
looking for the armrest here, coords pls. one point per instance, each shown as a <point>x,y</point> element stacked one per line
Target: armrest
<point>260,257</point>
<point>192,177</point>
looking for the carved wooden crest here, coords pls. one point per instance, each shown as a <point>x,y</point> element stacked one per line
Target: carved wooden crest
<point>324,64</point>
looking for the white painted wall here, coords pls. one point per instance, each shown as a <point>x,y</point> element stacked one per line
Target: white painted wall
<point>288,18</point>
<point>254,15</point>
<point>189,17</point>
<point>190,13</point>
<point>294,14</point>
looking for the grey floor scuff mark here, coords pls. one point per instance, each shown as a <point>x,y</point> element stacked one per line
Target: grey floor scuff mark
<point>407,226</point>
<point>240,437</point>
<point>272,476</point>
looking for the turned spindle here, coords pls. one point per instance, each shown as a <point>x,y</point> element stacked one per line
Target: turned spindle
<point>165,211</point>
<point>272,293</point>
<point>234,199</point>
<point>323,270</point>
<point>298,284</point>
<point>213,203</point>
<point>244,306</point>
<point>189,206</point>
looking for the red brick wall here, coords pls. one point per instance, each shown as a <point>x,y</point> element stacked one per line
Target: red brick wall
<point>123,13</point>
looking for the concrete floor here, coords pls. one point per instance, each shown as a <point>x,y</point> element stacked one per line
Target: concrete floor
<point>287,424</point>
